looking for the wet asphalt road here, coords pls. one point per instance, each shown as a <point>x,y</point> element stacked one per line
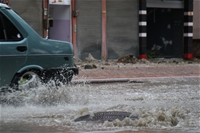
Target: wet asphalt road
<point>163,105</point>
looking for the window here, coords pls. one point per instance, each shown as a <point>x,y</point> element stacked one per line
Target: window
<point>1,30</point>
<point>8,32</point>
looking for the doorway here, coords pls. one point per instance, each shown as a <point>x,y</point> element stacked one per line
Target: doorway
<point>61,22</point>
<point>165,32</point>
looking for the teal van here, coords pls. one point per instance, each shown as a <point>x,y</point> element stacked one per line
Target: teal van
<point>25,55</point>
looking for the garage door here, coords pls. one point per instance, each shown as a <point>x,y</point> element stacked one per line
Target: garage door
<point>89,28</point>
<point>30,11</point>
<point>122,28</point>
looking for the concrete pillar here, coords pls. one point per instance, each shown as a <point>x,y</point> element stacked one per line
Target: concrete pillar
<point>188,29</point>
<point>142,29</point>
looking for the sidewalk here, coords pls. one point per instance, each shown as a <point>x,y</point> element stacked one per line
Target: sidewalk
<point>111,72</point>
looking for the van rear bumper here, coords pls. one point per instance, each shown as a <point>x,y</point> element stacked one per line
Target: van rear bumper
<point>74,69</point>
<point>61,73</point>
<point>62,70</point>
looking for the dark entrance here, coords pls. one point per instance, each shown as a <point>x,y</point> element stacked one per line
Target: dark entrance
<point>164,32</point>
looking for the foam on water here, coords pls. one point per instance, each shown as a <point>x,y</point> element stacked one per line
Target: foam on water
<point>172,104</point>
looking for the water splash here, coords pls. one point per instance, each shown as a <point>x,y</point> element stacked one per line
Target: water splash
<point>159,104</point>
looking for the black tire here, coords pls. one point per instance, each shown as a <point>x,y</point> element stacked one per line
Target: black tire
<point>26,80</point>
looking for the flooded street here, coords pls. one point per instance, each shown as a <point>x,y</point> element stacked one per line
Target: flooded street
<point>166,105</point>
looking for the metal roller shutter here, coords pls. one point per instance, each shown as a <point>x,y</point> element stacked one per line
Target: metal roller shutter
<point>31,12</point>
<point>89,28</point>
<point>122,28</point>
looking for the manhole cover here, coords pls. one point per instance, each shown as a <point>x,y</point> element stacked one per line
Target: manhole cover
<point>106,116</point>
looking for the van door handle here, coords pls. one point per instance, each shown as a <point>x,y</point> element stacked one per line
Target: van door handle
<point>21,48</point>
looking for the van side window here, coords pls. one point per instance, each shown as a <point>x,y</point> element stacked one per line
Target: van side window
<point>9,31</point>
<point>2,37</point>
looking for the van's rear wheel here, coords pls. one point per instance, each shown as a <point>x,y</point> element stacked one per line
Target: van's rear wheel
<point>26,80</point>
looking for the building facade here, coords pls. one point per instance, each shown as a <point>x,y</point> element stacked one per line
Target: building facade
<point>110,29</point>
<point>31,11</point>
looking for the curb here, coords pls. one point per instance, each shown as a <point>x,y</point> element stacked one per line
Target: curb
<point>135,80</point>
